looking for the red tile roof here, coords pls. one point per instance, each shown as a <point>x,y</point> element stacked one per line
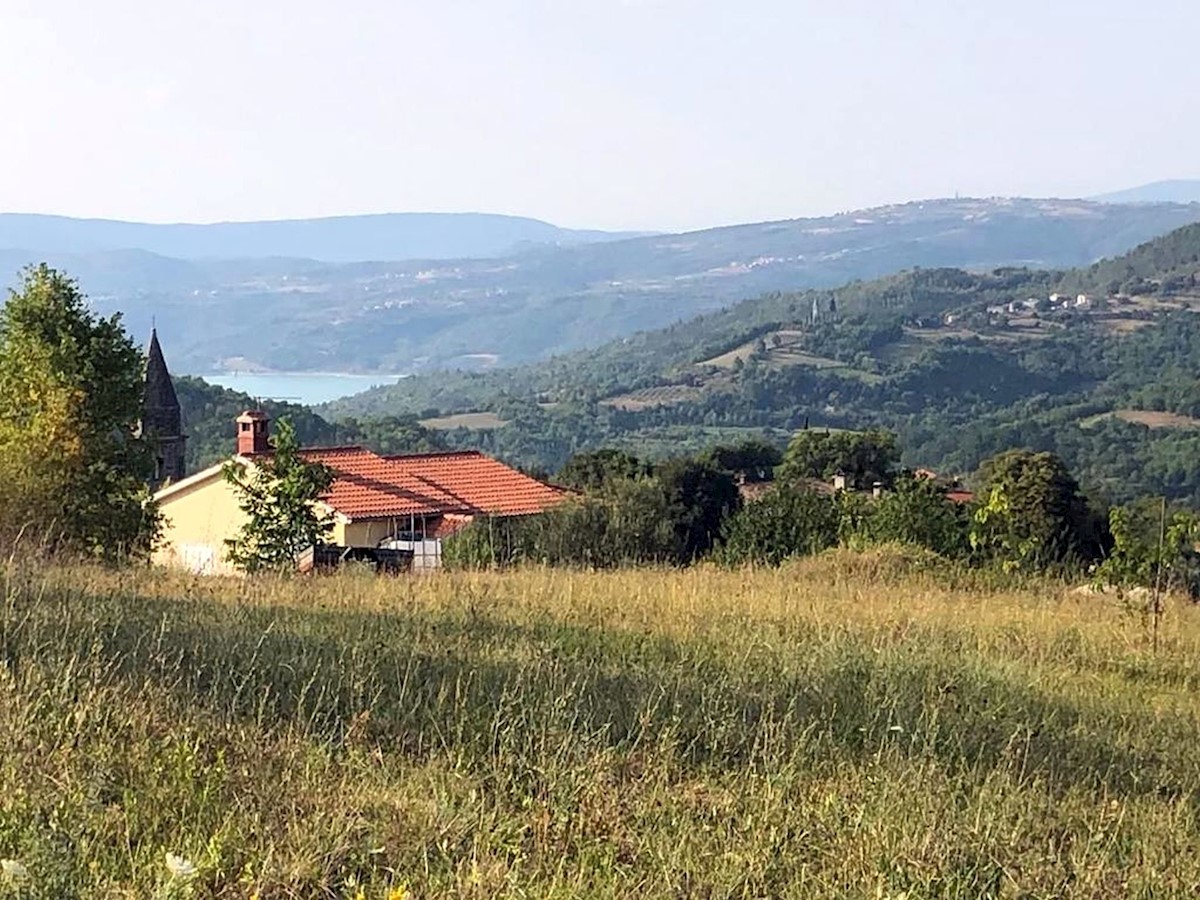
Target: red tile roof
<point>369,486</point>
<point>480,484</point>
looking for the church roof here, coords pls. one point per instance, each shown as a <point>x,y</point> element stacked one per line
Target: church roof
<point>160,405</point>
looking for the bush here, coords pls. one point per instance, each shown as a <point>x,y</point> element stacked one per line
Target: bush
<point>787,521</point>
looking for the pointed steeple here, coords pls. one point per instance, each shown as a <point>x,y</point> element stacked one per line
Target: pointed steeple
<point>162,418</point>
<point>160,405</point>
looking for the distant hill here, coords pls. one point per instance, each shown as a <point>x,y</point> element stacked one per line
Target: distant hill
<point>389,236</point>
<point>1178,191</point>
<point>648,358</point>
<point>960,364</point>
<point>411,316</point>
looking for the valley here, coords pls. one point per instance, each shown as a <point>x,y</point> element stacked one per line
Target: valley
<point>283,314</point>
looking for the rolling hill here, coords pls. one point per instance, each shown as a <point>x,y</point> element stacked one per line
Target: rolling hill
<point>394,317</point>
<point>387,236</point>
<point>1176,191</point>
<point>961,364</point>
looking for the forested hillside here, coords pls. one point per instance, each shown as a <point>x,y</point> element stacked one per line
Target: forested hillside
<point>209,412</point>
<point>1097,364</point>
<point>289,314</point>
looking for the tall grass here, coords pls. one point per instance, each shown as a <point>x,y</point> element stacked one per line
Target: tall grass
<point>839,727</point>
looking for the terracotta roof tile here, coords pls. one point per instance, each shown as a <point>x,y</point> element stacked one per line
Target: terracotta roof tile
<point>480,484</point>
<point>369,486</point>
<point>462,484</point>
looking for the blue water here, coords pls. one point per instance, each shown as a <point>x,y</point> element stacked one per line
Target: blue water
<point>308,388</point>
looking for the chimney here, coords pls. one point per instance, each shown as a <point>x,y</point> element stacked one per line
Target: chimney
<point>253,433</point>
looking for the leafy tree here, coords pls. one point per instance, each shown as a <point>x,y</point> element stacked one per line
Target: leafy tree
<point>786,521</point>
<point>629,523</point>
<point>1152,545</point>
<point>862,456</point>
<point>392,434</point>
<point>699,498</point>
<point>1032,514</point>
<point>597,469</point>
<point>279,494</point>
<point>916,511</point>
<point>72,466</point>
<point>753,459</point>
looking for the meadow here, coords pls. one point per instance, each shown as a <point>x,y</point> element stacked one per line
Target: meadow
<point>846,726</point>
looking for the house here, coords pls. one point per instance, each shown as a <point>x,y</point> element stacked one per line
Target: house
<point>398,507</point>
<point>398,503</point>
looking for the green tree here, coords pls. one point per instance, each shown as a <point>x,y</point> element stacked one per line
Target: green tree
<point>699,498</point>
<point>1152,546</point>
<point>786,521</point>
<point>863,457</point>
<point>393,434</point>
<point>73,467</point>
<point>1032,515</point>
<point>753,459</point>
<point>916,511</point>
<point>279,494</point>
<point>597,469</point>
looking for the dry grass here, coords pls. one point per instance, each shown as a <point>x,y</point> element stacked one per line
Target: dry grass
<point>840,727</point>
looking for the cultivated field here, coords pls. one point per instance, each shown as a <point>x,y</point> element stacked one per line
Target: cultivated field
<point>648,398</point>
<point>475,421</point>
<point>845,726</point>
<point>1147,417</point>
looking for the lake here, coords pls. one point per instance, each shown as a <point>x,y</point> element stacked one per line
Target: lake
<point>309,388</point>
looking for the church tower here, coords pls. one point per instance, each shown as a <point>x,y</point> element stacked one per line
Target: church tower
<point>162,420</point>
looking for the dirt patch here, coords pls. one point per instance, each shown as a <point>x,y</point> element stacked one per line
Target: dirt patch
<point>476,421</point>
<point>647,398</point>
<point>1149,418</point>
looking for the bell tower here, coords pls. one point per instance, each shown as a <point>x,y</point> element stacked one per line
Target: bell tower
<point>162,419</point>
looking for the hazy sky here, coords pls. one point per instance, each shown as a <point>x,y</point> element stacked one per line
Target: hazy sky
<point>658,114</point>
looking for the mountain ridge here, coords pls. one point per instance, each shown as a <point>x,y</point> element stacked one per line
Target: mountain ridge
<point>1097,364</point>
<point>1176,190</point>
<point>349,238</point>
<point>420,315</point>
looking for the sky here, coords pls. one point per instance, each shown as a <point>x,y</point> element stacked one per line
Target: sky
<point>634,114</point>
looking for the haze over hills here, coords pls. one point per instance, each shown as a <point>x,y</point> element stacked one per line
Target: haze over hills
<point>391,317</point>
<point>962,365</point>
<point>1174,191</point>
<point>387,236</point>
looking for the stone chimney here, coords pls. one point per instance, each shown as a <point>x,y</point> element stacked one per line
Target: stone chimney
<point>253,433</point>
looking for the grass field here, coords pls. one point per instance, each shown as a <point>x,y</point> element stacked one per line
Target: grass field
<point>840,727</point>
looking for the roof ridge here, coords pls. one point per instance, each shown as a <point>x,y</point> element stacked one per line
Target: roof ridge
<point>431,453</point>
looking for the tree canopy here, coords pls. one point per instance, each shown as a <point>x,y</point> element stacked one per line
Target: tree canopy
<point>864,457</point>
<point>279,495</point>
<point>72,467</point>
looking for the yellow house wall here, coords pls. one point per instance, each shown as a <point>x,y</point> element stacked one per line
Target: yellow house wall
<point>363,533</point>
<point>199,519</point>
<point>197,522</point>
